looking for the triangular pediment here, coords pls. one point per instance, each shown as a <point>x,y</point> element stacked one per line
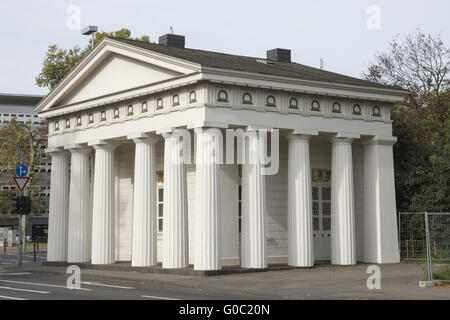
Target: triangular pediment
<point>117,73</point>
<point>110,68</point>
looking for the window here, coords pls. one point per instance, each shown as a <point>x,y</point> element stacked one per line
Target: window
<point>247,98</point>
<point>144,107</point>
<point>192,97</point>
<point>160,202</point>
<point>116,113</point>
<point>103,115</point>
<point>376,112</point>
<point>315,105</point>
<point>222,96</point>
<point>159,104</point>
<point>130,110</point>
<point>79,123</point>
<point>270,101</point>
<point>357,109</point>
<point>91,118</point>
<point>175,101</point>
<point>336,107</point>
<point>56,125</point>
<point>293,103</point>
<point>67,123</point>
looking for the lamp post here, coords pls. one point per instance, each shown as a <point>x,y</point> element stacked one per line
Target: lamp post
<point>88,31</point>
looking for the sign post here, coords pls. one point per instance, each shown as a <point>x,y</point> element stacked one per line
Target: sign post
<point>21,181</point>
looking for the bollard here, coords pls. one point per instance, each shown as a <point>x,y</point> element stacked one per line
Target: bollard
<point>34,252</point>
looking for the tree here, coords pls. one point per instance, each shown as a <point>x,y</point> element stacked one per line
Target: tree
<point>58,62</point>
<point>421,64</point>
<point>32,141</point>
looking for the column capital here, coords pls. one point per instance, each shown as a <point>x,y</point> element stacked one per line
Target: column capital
<point>380,140</point>
<point>305,132</point>
<point>57,152</point>
<point>103,145</point>
<point>78,148</point>
<point>341,140</point>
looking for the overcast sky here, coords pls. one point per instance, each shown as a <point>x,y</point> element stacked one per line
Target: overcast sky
<point>342,32</point>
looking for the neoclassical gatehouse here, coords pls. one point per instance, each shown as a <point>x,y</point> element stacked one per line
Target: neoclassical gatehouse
<point>117,194</point>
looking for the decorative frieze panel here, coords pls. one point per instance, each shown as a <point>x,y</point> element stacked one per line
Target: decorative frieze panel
<point>222,95</point>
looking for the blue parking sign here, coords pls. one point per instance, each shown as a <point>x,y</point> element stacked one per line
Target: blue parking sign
<point>21,170</point>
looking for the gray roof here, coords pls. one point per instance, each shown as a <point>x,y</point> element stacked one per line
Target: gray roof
<point>251,65</point>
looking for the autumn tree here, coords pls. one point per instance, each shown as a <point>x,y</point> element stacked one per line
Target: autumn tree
<point>32,140</point>
<point>419,63</point>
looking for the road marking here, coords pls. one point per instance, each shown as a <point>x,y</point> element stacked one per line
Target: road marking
<point>11,298</point>
<point>42,284</point>
<point>105,285</point>
<point>159,298</point>
<point>25,290</point>
<point>15,274</point>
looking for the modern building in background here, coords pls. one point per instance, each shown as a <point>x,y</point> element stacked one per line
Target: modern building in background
<point>119,195</point>
<point>21,108</point>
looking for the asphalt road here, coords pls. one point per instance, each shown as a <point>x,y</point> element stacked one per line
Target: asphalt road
<point>28,286</point>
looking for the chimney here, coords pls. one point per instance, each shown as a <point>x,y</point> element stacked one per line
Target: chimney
<point>280,55</point>
<point>172,40</point>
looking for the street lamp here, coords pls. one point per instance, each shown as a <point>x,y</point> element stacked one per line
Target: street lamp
<point>88,31</point>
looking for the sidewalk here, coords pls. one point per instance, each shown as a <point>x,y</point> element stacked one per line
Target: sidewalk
<point>398,281</point>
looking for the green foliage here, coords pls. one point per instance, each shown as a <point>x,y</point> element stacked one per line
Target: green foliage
<point>422,155</point>
<point>58,62</point>
<point>419,63</point>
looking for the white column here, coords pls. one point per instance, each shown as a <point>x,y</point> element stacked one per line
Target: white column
<point>59,207</point>
<point>300,229</point>
<point>175,228</point>
<point>380,214</point>
<point>342,203</point>
<point>208,254</point>
<point>80,218</point>
<point>254,218</point>
<point>144,204</point>
<point>103,232</point>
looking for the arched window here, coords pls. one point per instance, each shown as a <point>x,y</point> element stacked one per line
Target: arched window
<point>336,107</point>
<point>79,122</point>
<point>144,107</point>
<point>116,113</point>
<point>247,98</point>
<point>376,112</point>
<point>192,97</point>
<point>357,109</point>
<point>222,96</point>
<point>159,104</point>
<point>175,101</point>
<point>56,126</point>
<point>293,103</point>
<point>315,105</point>
<point>130,110</point>
<point>270,101</point>
<point>91,118</point>
<point>67,123</point>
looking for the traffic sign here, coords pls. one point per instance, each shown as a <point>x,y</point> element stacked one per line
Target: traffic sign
<point>21,182</point>
<point>21,170</point>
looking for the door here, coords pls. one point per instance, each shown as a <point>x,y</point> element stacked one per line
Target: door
<point>321,194</point>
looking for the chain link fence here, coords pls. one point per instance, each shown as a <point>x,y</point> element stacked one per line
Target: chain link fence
<point>425,237</point>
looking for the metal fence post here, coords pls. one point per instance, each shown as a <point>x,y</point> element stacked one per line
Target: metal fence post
<point>34,252</point>
<point>427,232</point>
